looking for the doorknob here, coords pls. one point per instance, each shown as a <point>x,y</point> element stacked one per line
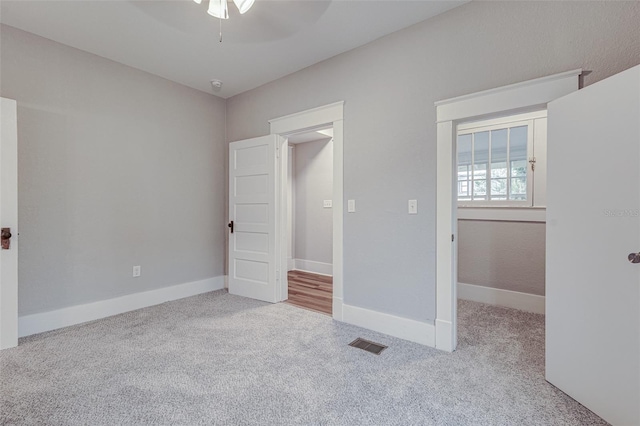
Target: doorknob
<point>634,258</point>
<point>6,238</point>
<point>230,225</point>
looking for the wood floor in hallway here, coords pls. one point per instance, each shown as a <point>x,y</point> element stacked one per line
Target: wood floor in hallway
<point>311,291</point>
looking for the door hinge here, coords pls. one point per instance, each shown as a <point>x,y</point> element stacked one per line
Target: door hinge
<point>277,150</point>
<point>532,161</point>
<point>452,238</point>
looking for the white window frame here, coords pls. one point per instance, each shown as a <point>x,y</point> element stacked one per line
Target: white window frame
<point>508,124</point>
<point>532,210</point>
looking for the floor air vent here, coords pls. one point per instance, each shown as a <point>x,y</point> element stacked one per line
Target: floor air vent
<point>367,345</point>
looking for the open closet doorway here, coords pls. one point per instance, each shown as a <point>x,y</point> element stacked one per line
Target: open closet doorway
<point>310,220</point>
<point>501,206</point>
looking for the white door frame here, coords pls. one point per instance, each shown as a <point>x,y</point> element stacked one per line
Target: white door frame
<point>516,98</point>
<point>9,203</point>
<point>309,120</point>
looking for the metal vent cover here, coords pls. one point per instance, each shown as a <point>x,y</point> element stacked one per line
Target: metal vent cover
<point>368,345</point>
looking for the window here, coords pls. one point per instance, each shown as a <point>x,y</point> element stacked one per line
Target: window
<point>497,161</point>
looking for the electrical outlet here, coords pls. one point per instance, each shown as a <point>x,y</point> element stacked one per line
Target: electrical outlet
<point>327,204</point>
<point>136,271</point>
<point>351,206</point>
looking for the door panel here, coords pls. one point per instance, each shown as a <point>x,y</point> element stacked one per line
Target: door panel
<point>252,208</point>
<point>593,223</point>
<point>9,219</point>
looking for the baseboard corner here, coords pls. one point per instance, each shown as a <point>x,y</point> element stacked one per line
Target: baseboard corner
<point>314,267</point>
<point>403,328</point>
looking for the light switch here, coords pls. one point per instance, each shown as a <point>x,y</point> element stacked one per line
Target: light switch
<point>327,204</point>
<point>413,206</point>
<point>351,206</point>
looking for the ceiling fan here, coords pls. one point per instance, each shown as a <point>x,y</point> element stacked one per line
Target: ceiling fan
<point>219,8</point>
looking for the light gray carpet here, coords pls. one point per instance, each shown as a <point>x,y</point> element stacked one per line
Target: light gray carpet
<point>225,360</point>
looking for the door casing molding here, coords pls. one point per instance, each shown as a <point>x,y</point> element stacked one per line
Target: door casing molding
<point>303,121</point>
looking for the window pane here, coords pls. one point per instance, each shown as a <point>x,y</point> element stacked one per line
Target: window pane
<point>499,164</point>
<point>518,162</point>
<point>480,162</point>
<point>464,149</point>
<point>481,147</point>
<point>464,176</point>
<point>479,189</point>
<point>518,188</point>
<point>519,168</point>
<point>499,146</point>
<point>518,143</point>
<point>498,189</point>
<point>464,167</point>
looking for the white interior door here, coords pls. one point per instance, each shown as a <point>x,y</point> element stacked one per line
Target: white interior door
<point>9,219</point>
<point>253,266</point>
<point>593,224</point>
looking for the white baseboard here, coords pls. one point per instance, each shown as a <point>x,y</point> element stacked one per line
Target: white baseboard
<point>314,267</point>
<point>446,340</point>
<point>52,320</point>
<point>495,296</point>
<point>403,328</point>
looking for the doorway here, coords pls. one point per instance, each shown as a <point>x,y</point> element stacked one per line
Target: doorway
<point>516,98</point>
<point>310,220</point>
<point>258,219</point>
<point>501,208</point>
<point>323,117</point>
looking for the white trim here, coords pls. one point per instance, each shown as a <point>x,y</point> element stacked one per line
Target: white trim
<point>52,320</point>
<point>337,309</point>
<point>403,328</point>
<point>512,214</point>
<point>499,297</point>
<point>306,119</point>
<point>446,226</point>
<point>313,267</point>
<point>444,330</point>
<point>9,216</point>
<point>529,95</point>
<point>524,95</point>
<point>321,117</point>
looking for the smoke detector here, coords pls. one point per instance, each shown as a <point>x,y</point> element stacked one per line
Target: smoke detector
<point>216,84</point>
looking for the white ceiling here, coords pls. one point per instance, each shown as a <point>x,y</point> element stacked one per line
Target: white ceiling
<point>179,41</point>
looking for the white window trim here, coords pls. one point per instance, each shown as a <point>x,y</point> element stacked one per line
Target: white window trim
<point>503,214</point>
<point>512,210</point>
<point>521,97</point>
<point>530,143</point>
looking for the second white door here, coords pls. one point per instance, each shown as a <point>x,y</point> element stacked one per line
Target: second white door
<point>253,260</point>
<point>593,235</point>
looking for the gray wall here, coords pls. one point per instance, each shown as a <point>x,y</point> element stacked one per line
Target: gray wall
<point>313,182</point>
<point>389,87</point>
<point>116,168</point>
<point>504,255</point>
